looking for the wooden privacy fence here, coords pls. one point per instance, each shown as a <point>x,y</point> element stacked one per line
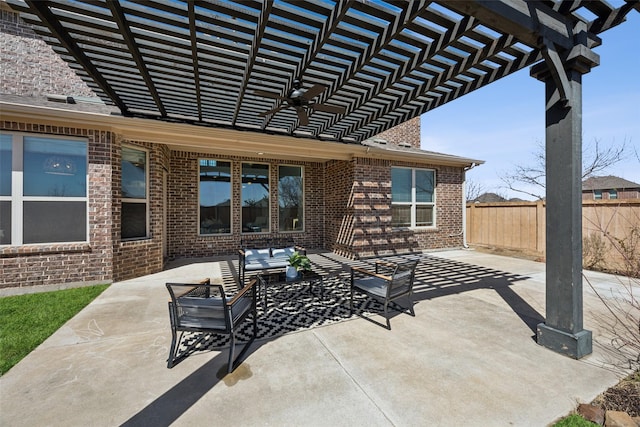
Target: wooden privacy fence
<point>521,225</point>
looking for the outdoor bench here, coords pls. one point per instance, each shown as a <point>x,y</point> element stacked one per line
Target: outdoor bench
<point>265,255</point>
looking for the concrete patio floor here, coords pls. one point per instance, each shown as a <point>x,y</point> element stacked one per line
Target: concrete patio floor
<point>469,358</point>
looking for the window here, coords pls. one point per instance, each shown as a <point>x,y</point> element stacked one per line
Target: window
<point>412,197</point>
<point>255,198</point>
<point>597,194</point>
<point>613,194</point>
<point>290,198</point>
<point>6,150</point>
<point>215,197</point>
<point>134,221</point>
<point>43,189</point>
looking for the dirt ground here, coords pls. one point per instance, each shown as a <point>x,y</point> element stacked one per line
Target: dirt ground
<point>625,396</point>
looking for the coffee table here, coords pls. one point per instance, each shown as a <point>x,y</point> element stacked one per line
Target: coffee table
<point>267,280</point>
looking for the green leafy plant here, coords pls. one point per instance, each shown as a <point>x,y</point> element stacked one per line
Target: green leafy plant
<point>574,420</point>
<point>299,261</point>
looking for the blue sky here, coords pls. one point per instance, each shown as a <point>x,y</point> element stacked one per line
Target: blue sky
<point>503,123</point>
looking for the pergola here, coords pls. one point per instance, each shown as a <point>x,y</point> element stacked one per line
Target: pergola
<point>364,65</point>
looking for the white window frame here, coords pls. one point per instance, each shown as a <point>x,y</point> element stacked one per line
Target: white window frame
<point>302,176</point>
<point>138,200</point>
<point>17,197</point>
<point>231,197</point>
<point>413,202</point>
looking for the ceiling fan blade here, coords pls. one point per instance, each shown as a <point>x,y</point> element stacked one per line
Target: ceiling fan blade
<point>302,116</point>
<point>268,94</point>
<point>329,108</point>
<point>314,91</point>
<point>275,110</point>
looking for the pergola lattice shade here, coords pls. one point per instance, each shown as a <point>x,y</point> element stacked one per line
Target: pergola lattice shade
<point>384,62</point>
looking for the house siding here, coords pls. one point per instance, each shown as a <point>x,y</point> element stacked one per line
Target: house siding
<point>347,210</point>
<point>372,232</point>
<point>134,258</point>
<point>29,66</point>
<point>405,133</point>
<point>339,207</point>
<point>32,265</point>
<point>631,193</point>
<point>183,234</point>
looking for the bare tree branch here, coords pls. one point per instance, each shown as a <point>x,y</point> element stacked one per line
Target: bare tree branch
<point>595,160</point>
<point>473,190</point>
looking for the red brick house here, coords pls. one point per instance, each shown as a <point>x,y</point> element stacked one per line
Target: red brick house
<point>90,196</point>
<point>609,188</point>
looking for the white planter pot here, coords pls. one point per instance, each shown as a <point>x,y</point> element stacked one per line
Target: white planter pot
<point>292,273</point>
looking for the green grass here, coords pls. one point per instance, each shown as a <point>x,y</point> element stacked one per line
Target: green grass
<point>574,420</point>
<point>27,320</point>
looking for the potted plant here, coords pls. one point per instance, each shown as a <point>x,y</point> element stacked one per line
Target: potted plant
<point>297,263</point>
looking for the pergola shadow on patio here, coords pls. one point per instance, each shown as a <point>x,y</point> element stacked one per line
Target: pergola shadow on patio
<point>295,307</point>
<point>466,358</point>
<point>437,278</point>
<point>367,65</point>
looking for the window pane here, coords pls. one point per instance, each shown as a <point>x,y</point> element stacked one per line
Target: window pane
<point>5,165</point>
<point>290,198</point>
<point>134,168</point>
<point>255,197</point>
<point>48,222</point>
<point>215,197</point>
<point>401,215</point>
<point>5,223</point>
<point>613,194</point>
<point>400,185</point>
<point>424,216</point>
<point>134,220</point>
<point>424,185</point>
<point>54,167</point>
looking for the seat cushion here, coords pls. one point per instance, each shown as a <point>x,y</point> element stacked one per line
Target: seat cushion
<point>283,253</point>
<point>372,285</point>
<point>263,264</point>
<point>256,254</point>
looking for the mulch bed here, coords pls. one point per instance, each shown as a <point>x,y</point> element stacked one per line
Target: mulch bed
<point>625,396</point>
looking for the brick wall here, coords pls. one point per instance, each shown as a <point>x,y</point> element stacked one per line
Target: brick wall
<point>29,66</point>
<point>347,210</point>
<point>338,195</point>
<point>32,265</point>
<point>371,231</point>
<point>407,132</point>
<point>183,231</point>
<point>622,194</point>
<point>134,258</point>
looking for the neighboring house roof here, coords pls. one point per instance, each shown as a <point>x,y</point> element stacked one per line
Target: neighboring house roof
<point>607,183</point>
<point>489,198</point>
